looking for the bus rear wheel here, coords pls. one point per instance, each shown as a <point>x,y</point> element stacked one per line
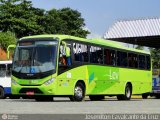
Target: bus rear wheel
<point>127,95</point>
<point>2,94</point>
<point>79,92</point>
<point>144,96</point>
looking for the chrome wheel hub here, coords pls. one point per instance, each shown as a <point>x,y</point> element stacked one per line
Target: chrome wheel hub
<point>128,92</point>
<point>78,92</point>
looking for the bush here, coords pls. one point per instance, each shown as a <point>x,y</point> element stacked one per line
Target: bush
<point>6,39</point>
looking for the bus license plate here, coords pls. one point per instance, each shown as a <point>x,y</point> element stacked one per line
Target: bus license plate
<point>30,93</point>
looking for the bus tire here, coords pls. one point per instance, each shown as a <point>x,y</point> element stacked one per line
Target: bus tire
<point>128,93</point>
<point>2,93</point>
<point>79,92</point>
<point>96,97</point>
<point>144,96</point>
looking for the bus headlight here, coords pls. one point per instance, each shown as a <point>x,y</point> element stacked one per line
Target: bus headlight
<point>14,82</point>
<point>49,81</point>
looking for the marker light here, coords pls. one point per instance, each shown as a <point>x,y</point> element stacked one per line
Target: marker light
<point>49,81</point>
<point>14,82</point>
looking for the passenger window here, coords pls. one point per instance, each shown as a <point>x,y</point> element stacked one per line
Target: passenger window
<point>96,55</point>
<point>65,54</point>
<point>141,61</point>
<point>80,52</point>
<point>109,57</point>
<point>2,70</point>
<point>9,70</point>
<point>148,62</point>
<point>132,60</point>
<point>122,59</point>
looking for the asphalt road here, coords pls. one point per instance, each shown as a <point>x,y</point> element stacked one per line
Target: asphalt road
<point>65,106</point>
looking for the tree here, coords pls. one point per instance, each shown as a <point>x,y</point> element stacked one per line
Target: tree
<point>155,55</point>
<point>19,17</point>
<point>65,21</point>
<point>7,38</point>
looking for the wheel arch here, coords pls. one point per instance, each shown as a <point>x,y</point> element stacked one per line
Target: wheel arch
<point>80,81</point>
<point>4,94</point>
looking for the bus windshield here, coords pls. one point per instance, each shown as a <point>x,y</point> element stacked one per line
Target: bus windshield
<point>5,69</point>
<point>2,70</point>
<point>35,57</point>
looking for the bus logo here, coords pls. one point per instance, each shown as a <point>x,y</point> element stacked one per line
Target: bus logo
<point>30,74</point>
<point>113,75</point>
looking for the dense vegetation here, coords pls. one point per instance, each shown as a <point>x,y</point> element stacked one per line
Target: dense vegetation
<point>19,18</point>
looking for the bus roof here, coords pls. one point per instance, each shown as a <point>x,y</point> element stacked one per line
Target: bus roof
<point>103,42</point>
<point>6,62</point>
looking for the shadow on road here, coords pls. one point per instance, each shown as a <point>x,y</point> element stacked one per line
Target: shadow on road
<point>67,100</point>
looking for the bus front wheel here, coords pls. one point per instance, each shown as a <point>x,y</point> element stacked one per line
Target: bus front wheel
<point>128,93</point>
<point>2,94</point>
<point>144,96</point>
<point>79,92</point>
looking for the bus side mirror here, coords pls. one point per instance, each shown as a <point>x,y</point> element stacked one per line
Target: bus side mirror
<point>8,50</point>
<point>8,55</point>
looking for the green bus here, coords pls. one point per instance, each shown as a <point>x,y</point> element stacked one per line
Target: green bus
<point>46,66</point>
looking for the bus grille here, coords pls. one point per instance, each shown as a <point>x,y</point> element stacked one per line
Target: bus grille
<point>35,90</point>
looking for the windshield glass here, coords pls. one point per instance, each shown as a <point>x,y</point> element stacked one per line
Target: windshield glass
<point>35,57</point>
<point>9,70</point>
<point>2,70</point>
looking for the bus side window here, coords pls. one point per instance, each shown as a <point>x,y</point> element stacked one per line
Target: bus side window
<point>75,51</point>
<point>9,69</point>
<point>65,54</point>
<point>132,60</point>
<point>62,55</point>
<point>141,61</point>
<point>136,60</point>
<point>2,70</point>
<point>92,54</point>
<point>113,57</point>
<point>148,62</point>
<point>85,53</point>
<point>96,55</point>
<point>99,55</point>
<point>68,55</point>
<point>80,52</point>
<point>122,59</point>
<point>107,57</point>
<point>118,58</point>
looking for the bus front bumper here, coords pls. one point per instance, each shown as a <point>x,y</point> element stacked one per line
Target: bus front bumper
<point>33,90</point>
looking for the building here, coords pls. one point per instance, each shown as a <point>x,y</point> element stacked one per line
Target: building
<point>144,32</point>
<point>3,54</point>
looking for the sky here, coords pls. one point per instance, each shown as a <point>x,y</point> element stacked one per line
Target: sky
<point>100,15</point>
